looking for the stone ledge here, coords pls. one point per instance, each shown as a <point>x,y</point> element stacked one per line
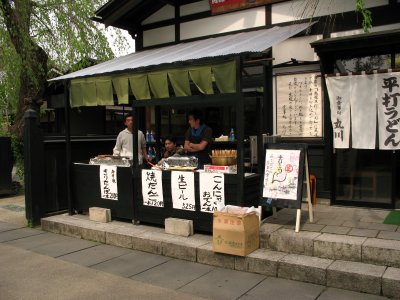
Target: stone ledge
<point>381,252</point>
<point>304,268</point>
<point>335,246</point>
<point>391,283</point>
<point>355,276</point>
<point>287,240</point>
<point>261,261</point>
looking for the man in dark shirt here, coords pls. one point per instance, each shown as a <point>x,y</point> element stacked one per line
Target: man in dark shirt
<point>198,138</point>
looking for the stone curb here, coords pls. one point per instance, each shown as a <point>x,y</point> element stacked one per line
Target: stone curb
<point>350,275</point>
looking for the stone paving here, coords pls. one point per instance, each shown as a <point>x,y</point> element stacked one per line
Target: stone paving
<point>344,249</point>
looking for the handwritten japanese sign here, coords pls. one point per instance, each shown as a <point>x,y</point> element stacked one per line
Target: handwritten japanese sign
<point>281,174</point>
<point>339,90</point>
<point>388,97</point>
<point>182,188</point>
<point>152,190</point>
<point>108,182</point>
<point>299,105</point>
<point>212,191</point>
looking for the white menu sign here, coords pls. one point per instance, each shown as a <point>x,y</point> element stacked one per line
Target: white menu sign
<point>152,190</point>
<point>108,182</point>
<point>182,188</point>
<point>212,191</point>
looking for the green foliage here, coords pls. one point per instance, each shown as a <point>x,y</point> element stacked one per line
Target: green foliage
<point>59,32</point>
<point>366,14</point>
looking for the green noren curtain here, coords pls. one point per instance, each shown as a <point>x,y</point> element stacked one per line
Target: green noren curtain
<point>201,76</point>
<point>89,94</point>
<point>75,95</point>
<point>158,83</point>
<point>104,91</point>
<point>179,79</point>
<point>121,86</point>
<point>225,77</point>
<point>140,86</point>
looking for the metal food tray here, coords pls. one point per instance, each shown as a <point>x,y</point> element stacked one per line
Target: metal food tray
<point>111,161</point>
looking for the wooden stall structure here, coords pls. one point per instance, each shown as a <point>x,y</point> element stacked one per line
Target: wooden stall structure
<point>216,71</point>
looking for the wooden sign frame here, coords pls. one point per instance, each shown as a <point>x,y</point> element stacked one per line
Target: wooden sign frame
<point>302,172</point>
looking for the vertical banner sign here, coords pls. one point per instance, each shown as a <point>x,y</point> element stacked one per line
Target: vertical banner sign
<point>388,97</point>
<point>281,174</point>
<point>212,191</point>
<point>108,182</point>
<point>299,105</point>
<point>339,89</point>
<point>363,111</point>
<point>152,190</point>
<point>182,187</point>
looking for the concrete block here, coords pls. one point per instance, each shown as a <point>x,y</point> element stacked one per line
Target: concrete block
<point>265,231</point>
<point>381,252</point>
<point>260,261</point>
<point>180,227</point>
<point>355,276</point>
<point>93,234</point>
<point>146,243</point>
<point>336,229</point>
<point>312,227</point>
<point>334,246</point>
<point>367,225</point>
<point>119,239</point>
<point>391,283</point>
<point>304,268</point>
<point>49,225</point>
<point>389,235</point>
<point>205,255</point>
<point>180,250</point>
<point>71,230</point>
<point>100,214</point>
<point>363,232</point>
<point>287,240</point>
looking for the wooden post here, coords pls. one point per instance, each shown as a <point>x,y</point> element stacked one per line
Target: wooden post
<point>34,171</point>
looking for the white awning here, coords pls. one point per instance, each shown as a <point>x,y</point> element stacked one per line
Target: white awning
<point>250,42</point>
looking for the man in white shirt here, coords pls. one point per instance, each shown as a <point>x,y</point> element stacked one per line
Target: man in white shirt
<point>124,143</point>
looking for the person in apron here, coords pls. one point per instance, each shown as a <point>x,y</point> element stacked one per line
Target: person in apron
<point>198,138</point>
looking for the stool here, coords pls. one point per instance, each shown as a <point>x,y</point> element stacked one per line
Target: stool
<point>313,189</point>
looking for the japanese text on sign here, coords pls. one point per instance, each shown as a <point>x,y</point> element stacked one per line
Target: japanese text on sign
<point>182,187</point>
<point>212,191</point>
<point>299,105</point>
<point>108,182</point>
<point>281,174</point>
<point>152,191</point>
<point>388,111</point>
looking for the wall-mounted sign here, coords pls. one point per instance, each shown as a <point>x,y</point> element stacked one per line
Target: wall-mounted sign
<point>108,182</point>
<point>299,105</point>
<point>182,188</point>
<point>223,6</point>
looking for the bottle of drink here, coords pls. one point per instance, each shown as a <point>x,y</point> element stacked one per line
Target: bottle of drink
<point>152,136</point>
<point>147,136</point>
<point>150,153</point>
<point>232,135</point>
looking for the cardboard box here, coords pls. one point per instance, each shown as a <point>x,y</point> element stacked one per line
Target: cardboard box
<point>236,234</point>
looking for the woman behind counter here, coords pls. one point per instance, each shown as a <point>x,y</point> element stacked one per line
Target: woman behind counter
<point>171,148</point>
<point>198,138</point>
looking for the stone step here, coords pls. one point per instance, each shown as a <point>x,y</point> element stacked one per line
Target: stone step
<point>331,246</point>
<point>351,275</point>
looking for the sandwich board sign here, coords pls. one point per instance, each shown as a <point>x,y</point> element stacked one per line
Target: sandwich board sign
<point>286,165</point>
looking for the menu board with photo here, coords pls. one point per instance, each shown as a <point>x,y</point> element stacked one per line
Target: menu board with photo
<point>299,105</point>
<point>283,175</point>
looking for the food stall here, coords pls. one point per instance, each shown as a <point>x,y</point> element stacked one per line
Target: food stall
<point>219,71</point>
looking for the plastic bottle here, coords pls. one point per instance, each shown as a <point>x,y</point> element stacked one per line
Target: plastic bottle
<point>150,153</point>
<point>147,136</point>
<point>152,136</point>
<point>232,135</point>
